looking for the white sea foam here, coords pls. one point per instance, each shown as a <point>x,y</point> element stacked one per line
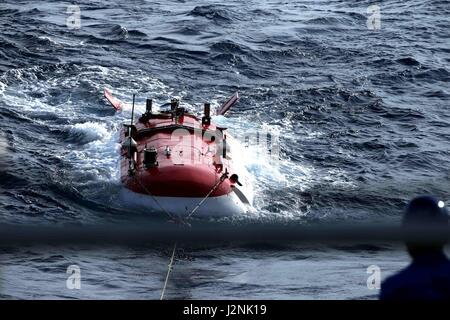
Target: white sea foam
<point>99,156</point>
<point>91,131</point>
<point>50,40</point>
<point>269,170</point>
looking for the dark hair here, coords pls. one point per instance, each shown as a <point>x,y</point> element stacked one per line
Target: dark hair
<point>424,220</point>
<point>425,210</point>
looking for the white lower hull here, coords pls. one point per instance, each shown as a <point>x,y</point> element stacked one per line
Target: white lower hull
<point>222,206</point>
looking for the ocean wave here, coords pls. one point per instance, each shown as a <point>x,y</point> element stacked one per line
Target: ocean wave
<point>336,97</point>
<point>408,61</point>
<point>213,12</point>
<point>88,132</point>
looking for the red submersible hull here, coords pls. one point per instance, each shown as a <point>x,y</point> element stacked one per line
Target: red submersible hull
<point>176,162</point>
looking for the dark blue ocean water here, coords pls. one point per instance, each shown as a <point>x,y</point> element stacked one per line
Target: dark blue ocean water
<point>362,116</point>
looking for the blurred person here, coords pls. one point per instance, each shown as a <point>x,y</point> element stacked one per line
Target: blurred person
<point>428,275</point>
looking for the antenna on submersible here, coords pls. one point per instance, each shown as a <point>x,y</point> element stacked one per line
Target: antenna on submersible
<point>130,143</point>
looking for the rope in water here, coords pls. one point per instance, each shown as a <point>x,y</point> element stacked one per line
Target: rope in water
<point>170,268</point>
<point>171,217</point>
<point>218,183</point>
<point>183,221</point>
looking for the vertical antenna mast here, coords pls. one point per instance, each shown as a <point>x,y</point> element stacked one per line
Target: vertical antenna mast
<point>130,169</point>
<point>132,110</point>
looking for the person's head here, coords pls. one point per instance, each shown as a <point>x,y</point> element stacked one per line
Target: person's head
<point>426,214</point>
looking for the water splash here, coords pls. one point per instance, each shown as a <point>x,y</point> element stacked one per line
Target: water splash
<point>90,131</point>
